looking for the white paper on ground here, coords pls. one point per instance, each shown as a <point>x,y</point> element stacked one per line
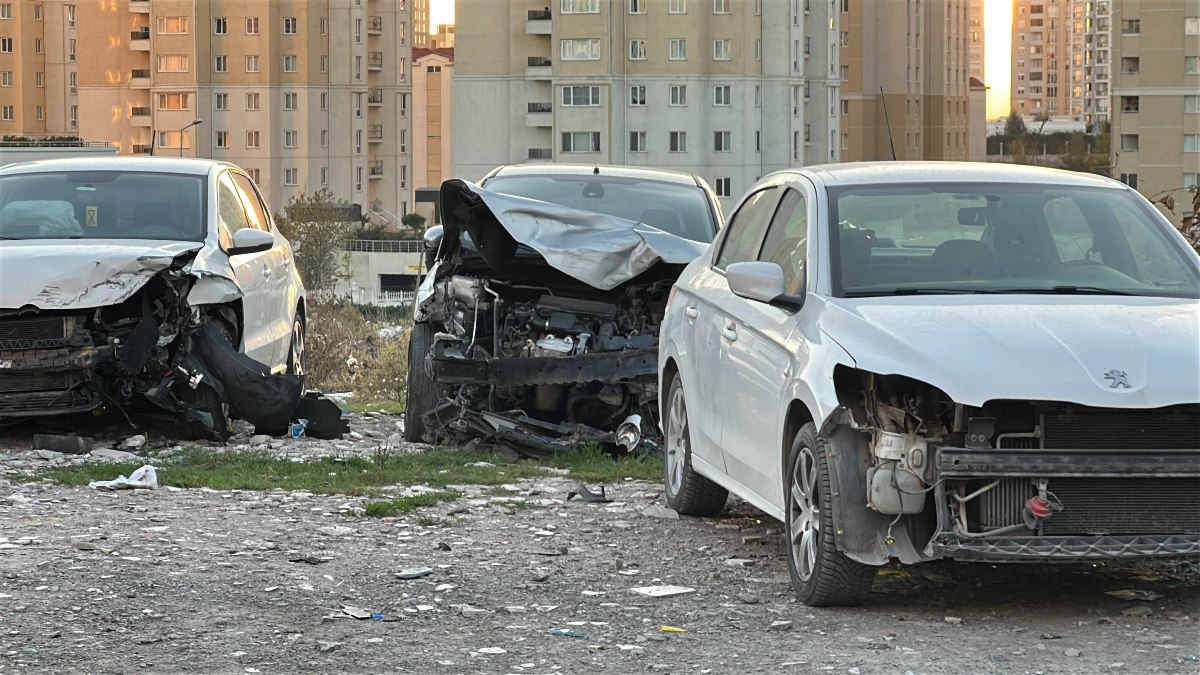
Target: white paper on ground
<point>145,478</point>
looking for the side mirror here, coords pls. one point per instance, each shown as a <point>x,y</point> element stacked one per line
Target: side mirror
<point>761,281</point>
<point>433,238</point>
<point>250,240</point>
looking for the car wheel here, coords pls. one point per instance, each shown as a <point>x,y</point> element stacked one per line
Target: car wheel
<point>422,390</point>
<point>821,575</point>
<point>295,363</point>
<point>687,492</point>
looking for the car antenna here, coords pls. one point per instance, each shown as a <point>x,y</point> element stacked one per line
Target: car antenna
<point>596,170</point>
<point>888,122</point>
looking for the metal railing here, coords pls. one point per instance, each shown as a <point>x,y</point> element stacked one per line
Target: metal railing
<point>374,59</point>
<point>541,153</point>
<point>25,142</point>
<point>540,108</point>
<point>385,246</point>
<point>538,62</point>
<point>143,34</point>
<point>375,168</point>
<point>139,110</point>
<point>374,24</point>
<point>375,132</point>
<point>139,72</point>
<point>375,97</point>
<point>142,149</point>
<point>539,15</point>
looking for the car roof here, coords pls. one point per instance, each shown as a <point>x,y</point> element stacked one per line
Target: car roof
<point>874,173</point>
<point>176,165</point>
<point>664,175</point>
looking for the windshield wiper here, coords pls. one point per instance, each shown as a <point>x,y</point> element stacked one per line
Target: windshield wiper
<point>1068,290</point>
<point>919,291</point>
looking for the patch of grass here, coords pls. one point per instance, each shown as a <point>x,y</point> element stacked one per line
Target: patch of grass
<point>392,507</point>
<point>357,405</point>
<point>592,465</point>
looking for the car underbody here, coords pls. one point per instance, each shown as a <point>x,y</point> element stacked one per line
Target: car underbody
<point>1011,480</point>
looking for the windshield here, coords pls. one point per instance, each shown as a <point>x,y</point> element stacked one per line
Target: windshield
<point>102,205</point>
<point>963,238</point>
<point>682,210</point>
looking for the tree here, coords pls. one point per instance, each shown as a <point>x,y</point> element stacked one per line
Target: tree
<point>413,220</point>
<point>317,228</point>
<point>1014,126</point>
<point>1041,117</point>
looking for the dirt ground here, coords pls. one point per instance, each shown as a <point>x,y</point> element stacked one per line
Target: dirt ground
<point>204,581</point>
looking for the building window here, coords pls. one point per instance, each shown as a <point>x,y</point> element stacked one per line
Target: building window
<point>722,187</point>
<point>174,139</point>
<point>637,50</point>
<point>1129,142</point>
<point>252,139</point>
<point>1131,65</point>
<point>1129,179</point>
<point>324,176</point>
<point>324,138</point>
<point>722,49</point>
<point>720,6</point>
<point>221,139</point>
<point>290,25</point>
<point>758,50</point>
<point>1191,25</point>
<point>291,100</point>
<point>173,63</point>
<point>289,63</point>
<point>220,64</point>
<point>637,94</point>
<point>41,113</point>
<point>71,50</point>
<point>252,25</point>
<point>252,63</point>
<point>1191,103</point>
<point>721,94</point>
<point>1191,65</point>
<point>581,96</point>
<point>1131,26</point>
<point>6,10</point>
<point>580,6</point>
<point>679,94</point>
<point>677,49</point>
<point>40,80</point>
<point>252,100</point>
<point>70,15</point>
<point>845,107</point>
<point>677,6</point>
<point>721,141</point>
<point>6,46</point>
<point>581,141</point>
<point>678,141</point>
<point>254,175</point>
<point>8,113</point>
<point>172,25</point>
<point>358,30</point>
<point>1191,180</point>
<point>74,116</point>
<point>291,138</point>
<point>1130,104</point>
<point>291,177</point>
<point>845,38</point>
<point>6,78</point>
<point>845,73</point>
<point>37,45</point>
<point>580,49</point>
<point>323,26</point>
<point>1191,142</point>
<point>358,179</point>
<point>757,142</point>
<point>358,135</point>
<point>220,26</point>
<point>324,101</point>
<point>173,101</point>
<point>637,141</point>
<point>637,6</point>
<point>324,63</point>
<point>37,12</point>
<point>221,102</point>
<point>403,144</point>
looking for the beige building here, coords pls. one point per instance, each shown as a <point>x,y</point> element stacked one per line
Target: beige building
<point>39,65</point>
<point>304,95</point>
<point>977,52</point>
<point>727,89</point>
<point>1156,95</point>
<point>1061,59</point>
<point>444,38</point>
<point>420,21</point>
<point>432,119</point>
<point>905,80</point>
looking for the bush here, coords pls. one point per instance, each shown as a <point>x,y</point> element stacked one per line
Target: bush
<point>346,353</point>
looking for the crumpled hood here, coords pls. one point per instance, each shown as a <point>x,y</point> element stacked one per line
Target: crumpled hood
<point>80,273</point>
<point>599,250</point>
<point>1044,348</point>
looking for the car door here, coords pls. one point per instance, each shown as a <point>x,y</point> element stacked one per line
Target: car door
<point>249,269</point>
<point>705,391</point>
<point>757,361</point>
<point>277,274</point>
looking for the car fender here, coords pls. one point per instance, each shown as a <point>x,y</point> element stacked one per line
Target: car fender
<point>213,290</point>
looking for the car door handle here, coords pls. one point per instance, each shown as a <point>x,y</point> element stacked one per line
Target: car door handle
<point>266,272</point>
<point>691,312</point>
<point>729,332</point>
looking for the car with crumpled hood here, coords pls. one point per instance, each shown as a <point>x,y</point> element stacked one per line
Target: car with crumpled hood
<point>146,283</point>
<point>537,324</point>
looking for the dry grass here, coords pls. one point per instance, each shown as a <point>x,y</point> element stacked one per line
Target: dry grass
<point>346,354</point>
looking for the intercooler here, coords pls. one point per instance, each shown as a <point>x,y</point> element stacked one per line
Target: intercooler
<point>38,332</point>
<point>1093,506</point>
<point>33,381</point>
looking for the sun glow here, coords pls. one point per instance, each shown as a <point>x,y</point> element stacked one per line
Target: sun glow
<point>997,64</point>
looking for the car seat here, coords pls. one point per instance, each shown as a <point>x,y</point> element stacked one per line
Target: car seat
<point>962,260</point>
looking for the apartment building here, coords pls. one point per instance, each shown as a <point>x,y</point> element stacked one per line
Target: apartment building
<point>1156,96</point>
<point>905,69</point>
<point>420,21</point>
<point>727,89</point>
<point>977,51</point>
<point>443,38</point>
<point>39,65</point>
<point>304,95</point>
<point>1061,60</point>
<point>432,119</point>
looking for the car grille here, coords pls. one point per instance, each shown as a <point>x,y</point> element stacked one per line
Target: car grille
<point>45,401</point>
<point>1174,428</point>
<point>38,332</point>
<point>1094,506</point>
<point>22,382</point>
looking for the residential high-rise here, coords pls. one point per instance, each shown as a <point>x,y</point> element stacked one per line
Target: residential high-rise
<point>905,69</point>
<point>1061,60</point>
<point>304,95</point>
<point>420,21</point>
<point>39,61</point>
<point>977,37</point>
<point>444,38</point>
<point>1156,96</point>
<point>727,89</point>
<point>432,118</point>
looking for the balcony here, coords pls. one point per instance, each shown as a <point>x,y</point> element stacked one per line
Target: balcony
<point>375,98</point>
<point>139,6</point>
<point>142,149</point>
<point>375,25</point>
<point>538,22</point>
<point>375,133</point>
<point>539,68</point>
<point>139,78</point>
<point>139,116</point>
<point>374,60</point>
<point>375,169</point>
<point>541,153</point>
<point>539,115</point>
<point>139,40</point>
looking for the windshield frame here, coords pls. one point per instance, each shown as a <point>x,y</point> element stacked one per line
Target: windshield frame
<point>1164,231</point>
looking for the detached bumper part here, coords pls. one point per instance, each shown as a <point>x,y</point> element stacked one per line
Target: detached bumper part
<point>1064,549</point>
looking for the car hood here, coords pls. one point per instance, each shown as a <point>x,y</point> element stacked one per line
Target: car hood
<point>80,273</point>
<point>1070,349</point>
<point>599,250</point>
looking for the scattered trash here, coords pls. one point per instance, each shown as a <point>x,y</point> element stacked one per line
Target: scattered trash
<point>1134,594</point>
<point>321,416</point>
<point>443,546</point>
<point>1139,611</point>
<point>1051,636</point>
<point>567,632</point>
<point>492,650</point>
<point>310,559</point>
<point>144,478</point>
<point>414,572</point>
<point>588,496</point>
<point>443,587</point>
<point>133,442</point>
<point>70,445</point>
<point>671,629</point>
<point>781,625</point>
<point>327,647</point>
<point>298,427</point>
<point>355,612</point>
<point>656,511</point>
<point>1071,652</point>
<point>739,562</point>
<point>954,620</point>
<point>662,591</point>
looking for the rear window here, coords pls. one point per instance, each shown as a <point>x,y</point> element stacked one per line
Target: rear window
<point>102,205</point>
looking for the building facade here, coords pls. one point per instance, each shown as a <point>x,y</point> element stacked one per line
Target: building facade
<point>304,95</point>
<point>905,70</point>
<point>1062,60</point>
<point>1156,96</point>
<point>727,89</point>
<point>420,21</point>
<point>432,119</point>
<point>39,69</point>
<point>444,38</point>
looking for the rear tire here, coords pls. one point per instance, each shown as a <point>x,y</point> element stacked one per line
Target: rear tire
<point>821,575</point>
<point>422,390</point>
<point>686,491</point>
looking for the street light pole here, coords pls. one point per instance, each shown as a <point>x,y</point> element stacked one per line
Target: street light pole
<point>194,123</point>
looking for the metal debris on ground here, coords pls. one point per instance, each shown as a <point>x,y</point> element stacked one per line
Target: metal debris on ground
<point>414,572</point>
<point>662,591</point>
<point>1134,594</point>
<point>356,612</point>
<point>588,496</point>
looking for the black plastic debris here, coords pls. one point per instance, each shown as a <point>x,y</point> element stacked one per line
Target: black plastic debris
<point>70,445</point>
<point>588,496</point>
<point>252,392</point>
<point>324,416</point>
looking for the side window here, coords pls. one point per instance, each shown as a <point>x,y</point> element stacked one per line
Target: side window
<point>229,207</point>
<point>787,241</point>
<point>254,205</point>
<point>746,228</point>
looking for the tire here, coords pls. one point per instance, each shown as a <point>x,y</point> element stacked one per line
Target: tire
<point>295,362</point>
<point>687,492</point>
<point>821,575</point>
<point>422,390</point>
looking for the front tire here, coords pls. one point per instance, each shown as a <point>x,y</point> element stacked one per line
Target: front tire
<point>687,492</point>
<point>295,363</point>
<point>422,390</point>
<point>821,575</point>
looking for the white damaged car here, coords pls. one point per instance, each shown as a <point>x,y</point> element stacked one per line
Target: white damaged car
<point>126,282</point>
<point>911,361</point>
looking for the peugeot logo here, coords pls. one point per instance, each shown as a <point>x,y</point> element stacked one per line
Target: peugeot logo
<point>1117,379</point>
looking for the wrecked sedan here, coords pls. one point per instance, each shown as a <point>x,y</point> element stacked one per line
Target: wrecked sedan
<point>940,360</point>
<point>537,324</point>
<point>148,283</point>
